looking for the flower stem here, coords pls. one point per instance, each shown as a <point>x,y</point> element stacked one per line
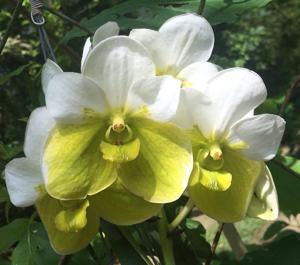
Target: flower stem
<point>215,243</point>
<point>182,214</point>
<point>165,241</point>
<point>201,7</point>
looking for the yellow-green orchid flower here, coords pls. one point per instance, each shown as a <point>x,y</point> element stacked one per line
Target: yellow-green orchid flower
<point>71,224</point>
<point>230,144</point>
<point>114,117</point>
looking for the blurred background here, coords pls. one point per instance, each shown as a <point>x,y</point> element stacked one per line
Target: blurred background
<point>263,36</point>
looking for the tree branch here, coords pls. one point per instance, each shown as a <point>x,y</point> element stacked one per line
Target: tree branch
<point>288,95</point>
<point>68,19</point>
<point>10,25</point>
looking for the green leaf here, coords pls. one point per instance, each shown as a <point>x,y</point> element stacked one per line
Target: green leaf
<point>279,252</point>
<point>9,151</point>
<point>288,187</point>
<point>124,251</point>
<point>291,162</point>
<point>82,257</point>
<point>220,11</point>
<point>4,78</point>
<point>151,14</point>
<point>195,233</point>
<point>34,248</point>
<point>22,254</point>
<point>274,229</point>
<point>12,233</point>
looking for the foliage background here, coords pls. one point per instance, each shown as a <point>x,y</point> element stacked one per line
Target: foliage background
<point>261,35</point>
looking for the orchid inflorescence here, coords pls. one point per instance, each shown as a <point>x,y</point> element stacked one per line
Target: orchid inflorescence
<point>147,119</point>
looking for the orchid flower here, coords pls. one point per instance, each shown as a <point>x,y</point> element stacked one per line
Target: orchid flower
<point>71,224</point>
<point>112,122</point>
<point>181,48</point>
<point>230,145</point>
<point>25,186</point>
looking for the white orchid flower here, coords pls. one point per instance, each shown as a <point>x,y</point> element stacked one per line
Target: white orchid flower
<point>109,29</point>
<point>71,224</point>
<point>230,144</point>
<point>181,48</point>
<point>114,117</point>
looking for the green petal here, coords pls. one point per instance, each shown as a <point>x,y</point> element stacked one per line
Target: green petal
<point>161,172</point>
<point>120,153</point>
<point>73,163</point>
<point>72,219</point>
<point>62,242</point>
<point>119,206</point>
<point>215,180</point>
<point>230,205</point>
<point>264,202</point>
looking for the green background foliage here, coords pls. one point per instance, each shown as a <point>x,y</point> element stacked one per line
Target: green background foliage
<point>262,35</point>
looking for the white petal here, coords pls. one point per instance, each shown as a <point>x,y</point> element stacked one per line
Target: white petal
<point>115,64</point>
<point>49,70</point>
<point>86,49</point>
<point>234,92</point>
<point>264,203</point>
<point>39,126</point>
<point>197,74</point>
<point>156,46</point>
<point>190,39</point>
<point>262,133</point>
<point>22,176</point>
<point>107,30</point>
<point>190,99</point>
<point>159,94</point>
<point>69,95</point>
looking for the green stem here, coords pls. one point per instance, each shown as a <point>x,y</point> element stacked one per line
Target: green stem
<point>165,242</point>
<point>201,7</point>
<point>215,244</point>
<point>182,214</point>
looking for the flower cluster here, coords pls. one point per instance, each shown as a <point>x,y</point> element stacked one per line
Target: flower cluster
<point>146,119</point>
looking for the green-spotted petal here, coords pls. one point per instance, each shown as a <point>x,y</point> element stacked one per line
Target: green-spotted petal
<point>230,205</point>
<point>62,242</point>
<point>72,163</point>
<point>214,180</point>
<point>161,172</point>
<point>120,153</point>
<point>119,206</point>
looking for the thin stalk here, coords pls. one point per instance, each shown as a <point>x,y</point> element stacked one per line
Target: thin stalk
<point>201,7</point>
<point>181,215</point>
<point>10,25</point>
<point>165,241</point>
<point>288,96</point>
<point>68,19</point>
<point>215,244</point>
